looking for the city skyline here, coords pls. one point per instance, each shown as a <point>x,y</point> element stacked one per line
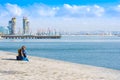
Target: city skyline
<point>64,15</point>
<point>13,29</point>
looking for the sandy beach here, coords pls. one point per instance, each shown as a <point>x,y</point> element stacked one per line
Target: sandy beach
<point>48,69</point>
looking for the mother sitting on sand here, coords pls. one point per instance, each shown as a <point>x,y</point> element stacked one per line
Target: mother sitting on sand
<point>22,55</point>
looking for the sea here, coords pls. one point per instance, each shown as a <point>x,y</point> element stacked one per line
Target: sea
<point>101,51</point>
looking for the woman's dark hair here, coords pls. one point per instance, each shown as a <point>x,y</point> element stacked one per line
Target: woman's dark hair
<point>23,47</point>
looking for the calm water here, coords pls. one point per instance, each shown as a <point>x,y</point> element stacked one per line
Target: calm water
<point>103,51</point>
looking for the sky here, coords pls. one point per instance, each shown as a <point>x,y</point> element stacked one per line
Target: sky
<point>63,15</point>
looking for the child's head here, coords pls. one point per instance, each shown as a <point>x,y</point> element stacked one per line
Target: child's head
<point>23,47</point>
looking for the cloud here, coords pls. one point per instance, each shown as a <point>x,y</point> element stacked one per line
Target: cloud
<point>3,12</point>
<point>14,9</point>
<point>117,8</point>
<point>97,10</point>
<point>39,10</point>
<point>113,11</point>
<point>80,11</point>
<point>66,10</point>
<point>47,11</point>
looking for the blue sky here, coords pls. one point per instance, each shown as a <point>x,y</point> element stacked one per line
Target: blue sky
<point>60,2</point>
<point>63,15</point>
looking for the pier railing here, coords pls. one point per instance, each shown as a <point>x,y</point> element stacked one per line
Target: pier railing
<point>29,37</point>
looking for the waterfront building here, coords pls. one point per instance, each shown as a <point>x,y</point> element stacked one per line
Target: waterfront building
<point>25,26</point>
<point>4,30</point>
<point>12,26</point>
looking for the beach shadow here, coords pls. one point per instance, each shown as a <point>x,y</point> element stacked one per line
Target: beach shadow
<point>11,72</point>
<point>9,59</point>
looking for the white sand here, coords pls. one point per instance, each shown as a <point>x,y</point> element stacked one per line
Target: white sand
<point>46,69</point>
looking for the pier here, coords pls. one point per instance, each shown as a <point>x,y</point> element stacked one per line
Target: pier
<point>29,37</point>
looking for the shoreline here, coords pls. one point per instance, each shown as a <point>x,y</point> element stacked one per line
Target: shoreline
<point>48,69</point>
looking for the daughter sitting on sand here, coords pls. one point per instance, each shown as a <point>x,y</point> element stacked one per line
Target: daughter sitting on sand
<point>22,55</point>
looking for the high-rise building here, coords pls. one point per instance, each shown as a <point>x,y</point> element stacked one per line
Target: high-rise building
<point>12,26</point>
<point>25,26</point>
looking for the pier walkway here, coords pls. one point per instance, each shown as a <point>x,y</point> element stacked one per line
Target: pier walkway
<point>29,37</point>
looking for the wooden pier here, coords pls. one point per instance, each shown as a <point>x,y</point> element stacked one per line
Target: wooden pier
<point>29,37</point>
